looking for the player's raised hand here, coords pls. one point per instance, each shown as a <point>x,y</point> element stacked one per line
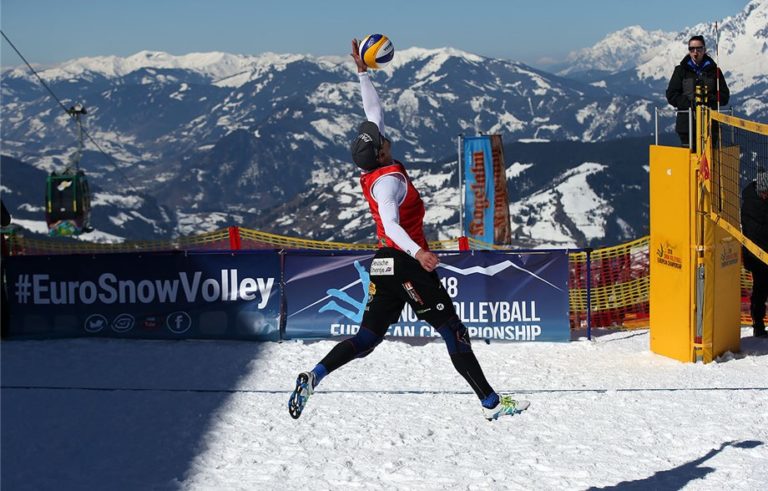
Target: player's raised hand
<point>361,67</point>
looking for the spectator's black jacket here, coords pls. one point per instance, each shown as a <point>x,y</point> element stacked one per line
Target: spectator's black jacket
<point>754,222</point>
<point>682,87</point>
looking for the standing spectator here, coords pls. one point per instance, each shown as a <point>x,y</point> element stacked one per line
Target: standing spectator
<point>697,68</point>
<point>754,225</point>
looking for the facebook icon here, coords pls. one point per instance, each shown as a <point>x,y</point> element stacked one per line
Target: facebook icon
<point>178,322</point>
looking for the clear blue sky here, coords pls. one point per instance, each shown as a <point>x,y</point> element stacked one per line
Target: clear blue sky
<point>51,31</point>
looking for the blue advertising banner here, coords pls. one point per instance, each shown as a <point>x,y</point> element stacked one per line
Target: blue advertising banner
<point>498,295</point>
<point>478,188</point>
<point>147,295</point>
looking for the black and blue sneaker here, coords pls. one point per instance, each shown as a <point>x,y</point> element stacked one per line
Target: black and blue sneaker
<point>305,387</point>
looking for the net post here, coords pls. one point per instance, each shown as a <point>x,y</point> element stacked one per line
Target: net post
<point>463,243</point>
<point>234,238</point>
<point>588,250</point>
<point>459,140</point>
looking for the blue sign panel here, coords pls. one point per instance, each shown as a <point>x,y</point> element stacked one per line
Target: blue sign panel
<point>498,295</point>
<point>325,296</point>
<point>147,295</point>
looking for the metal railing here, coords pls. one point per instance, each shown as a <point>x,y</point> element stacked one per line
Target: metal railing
<point>666,111</point>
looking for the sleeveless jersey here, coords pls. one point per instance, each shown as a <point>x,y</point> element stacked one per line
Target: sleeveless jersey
<point>411,210</point>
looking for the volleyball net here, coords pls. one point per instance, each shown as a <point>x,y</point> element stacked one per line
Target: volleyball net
<point>739,156</point>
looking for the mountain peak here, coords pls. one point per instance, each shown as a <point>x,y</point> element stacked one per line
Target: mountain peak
<point>739,45</point>
<point>618,51</point>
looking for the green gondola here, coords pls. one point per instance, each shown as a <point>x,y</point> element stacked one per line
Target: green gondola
<point>67,195</point>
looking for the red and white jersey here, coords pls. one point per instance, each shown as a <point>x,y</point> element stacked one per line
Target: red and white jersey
<point>411,209</point>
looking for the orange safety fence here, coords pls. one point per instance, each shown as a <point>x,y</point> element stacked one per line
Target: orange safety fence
<point>613,281</point>
<point>746,291</point>
<point>617,287</point>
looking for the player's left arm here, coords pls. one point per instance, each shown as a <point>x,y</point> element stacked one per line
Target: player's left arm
<point>387,192</point>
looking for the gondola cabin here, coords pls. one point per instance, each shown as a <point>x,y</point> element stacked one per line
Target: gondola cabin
<point>67,203</point>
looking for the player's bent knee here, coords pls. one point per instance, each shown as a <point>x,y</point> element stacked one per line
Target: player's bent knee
<point>365,341</point>
<point>456,336</point>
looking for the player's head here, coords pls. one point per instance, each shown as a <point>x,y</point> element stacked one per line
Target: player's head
<point>370,149</point>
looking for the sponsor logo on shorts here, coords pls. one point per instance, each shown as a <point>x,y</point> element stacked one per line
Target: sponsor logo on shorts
<point>413,293</point>
<point>439,306</point>
<point>383,267</point>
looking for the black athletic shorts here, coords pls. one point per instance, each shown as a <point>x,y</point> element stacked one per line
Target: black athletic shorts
<point>397,278</point>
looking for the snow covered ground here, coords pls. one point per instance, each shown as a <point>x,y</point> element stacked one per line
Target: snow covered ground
<point>605,414</point>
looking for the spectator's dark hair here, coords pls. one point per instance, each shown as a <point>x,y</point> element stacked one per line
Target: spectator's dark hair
<point>697,38</point>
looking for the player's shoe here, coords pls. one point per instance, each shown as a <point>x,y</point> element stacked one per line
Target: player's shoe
<point>305,387</point>
<point>506,407</point>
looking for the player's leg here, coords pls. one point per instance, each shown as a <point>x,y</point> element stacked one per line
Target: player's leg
<point>383,308</point>
<point>431,302</point>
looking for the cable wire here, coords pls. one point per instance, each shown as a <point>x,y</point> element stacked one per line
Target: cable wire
<point>69,113</point>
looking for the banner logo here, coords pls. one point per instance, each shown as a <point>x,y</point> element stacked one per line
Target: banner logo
<point>95,323</point>
<point>123,323</point>
<point>667,255</point>
<point>178,322</point>
<point>341,294</point>
<point>729,255</point>
<point>108,289</point>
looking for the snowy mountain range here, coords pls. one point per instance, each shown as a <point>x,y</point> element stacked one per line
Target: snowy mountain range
<point>198,142</point>
<point>633,60</point>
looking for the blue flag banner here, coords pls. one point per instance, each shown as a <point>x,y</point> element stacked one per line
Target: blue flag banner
<point>497,295</point>
<point>479,197</point>
<point>147,295</point>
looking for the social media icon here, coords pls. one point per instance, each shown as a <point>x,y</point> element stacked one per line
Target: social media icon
<point>123,323</point>
<point>178,322</point>
<point>95,323</point>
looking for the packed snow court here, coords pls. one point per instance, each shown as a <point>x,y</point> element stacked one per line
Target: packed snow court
<point>131,414</point>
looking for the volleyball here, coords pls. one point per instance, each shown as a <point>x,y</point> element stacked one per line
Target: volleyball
<point>376,50</point>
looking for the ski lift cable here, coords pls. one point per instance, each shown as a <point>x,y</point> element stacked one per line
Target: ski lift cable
<point>69,112</point>
<point>35,73</point>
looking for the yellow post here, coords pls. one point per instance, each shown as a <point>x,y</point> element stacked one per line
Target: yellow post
<point>720,267</point>
<point>672,201</point>
<point>702,337</point>
<point>722,307</point>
